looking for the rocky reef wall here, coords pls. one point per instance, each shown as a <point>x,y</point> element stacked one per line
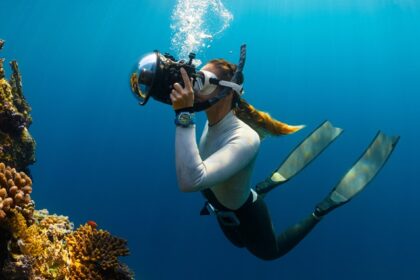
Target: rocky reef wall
<point>17,147</point>
<point>36,245</point>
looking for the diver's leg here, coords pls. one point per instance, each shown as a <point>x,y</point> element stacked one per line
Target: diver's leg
<point>257,229</point>
<point>292,236</point>
<point>362,172</point>
<point>259,235</point>
<point>232,233</point>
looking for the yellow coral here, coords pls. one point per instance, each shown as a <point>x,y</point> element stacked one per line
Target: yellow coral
<point>43,242</point>
<point>30,240</point>
<point>17,224</point>
<point>33,242</point>
<point>53,263</point>
<point>5,93</point>
<point>54,260</point>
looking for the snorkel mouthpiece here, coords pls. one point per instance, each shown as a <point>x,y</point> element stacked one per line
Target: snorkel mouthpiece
<point>156,74</point>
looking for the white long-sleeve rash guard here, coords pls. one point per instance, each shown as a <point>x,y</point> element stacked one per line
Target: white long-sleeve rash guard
<point>224,161</point>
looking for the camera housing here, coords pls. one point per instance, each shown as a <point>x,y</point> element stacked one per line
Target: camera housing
<point>156,74</point>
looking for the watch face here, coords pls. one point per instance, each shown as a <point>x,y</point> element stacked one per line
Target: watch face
<point>185,118</point>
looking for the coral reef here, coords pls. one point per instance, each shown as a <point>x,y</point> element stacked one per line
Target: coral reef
<point>35,245</point>
<point>51,249</point>
<point>17,147</point>
<point>40,245</point>
<point>15,189</point>
<point>94,252</point>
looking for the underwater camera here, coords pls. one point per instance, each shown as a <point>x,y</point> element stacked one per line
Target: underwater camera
<point>156,74</point>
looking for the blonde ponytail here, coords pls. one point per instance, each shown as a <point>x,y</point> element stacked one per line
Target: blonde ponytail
<point>262,122</point>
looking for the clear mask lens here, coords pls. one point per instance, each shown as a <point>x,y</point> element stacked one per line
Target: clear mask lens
<point>202,85</point>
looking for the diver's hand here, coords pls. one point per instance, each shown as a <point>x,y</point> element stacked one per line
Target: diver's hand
<point>182,97</point>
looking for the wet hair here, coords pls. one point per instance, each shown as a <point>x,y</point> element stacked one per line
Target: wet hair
<point>260,121</point>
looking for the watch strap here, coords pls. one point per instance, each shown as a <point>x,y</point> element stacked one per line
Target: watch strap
<point>186,109</point>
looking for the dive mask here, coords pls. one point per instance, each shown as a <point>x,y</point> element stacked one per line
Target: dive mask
<point>202,85</point>
<point>156,74</point>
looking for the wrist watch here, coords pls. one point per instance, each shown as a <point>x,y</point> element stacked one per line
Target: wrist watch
<point>184,119</point>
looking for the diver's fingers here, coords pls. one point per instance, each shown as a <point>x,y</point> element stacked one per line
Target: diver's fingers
<point>176,94</point>
<point>173,97</point>
<point>187,81</point>
<point>178,88</point>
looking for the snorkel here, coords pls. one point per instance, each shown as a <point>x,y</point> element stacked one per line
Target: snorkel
<point>156,73</point>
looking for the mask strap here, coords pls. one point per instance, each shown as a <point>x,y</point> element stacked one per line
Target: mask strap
<point>229,84</point>
<point>237,88</point>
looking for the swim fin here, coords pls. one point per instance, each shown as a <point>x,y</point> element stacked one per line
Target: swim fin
<point>301,156</point>
<point>362,172</point>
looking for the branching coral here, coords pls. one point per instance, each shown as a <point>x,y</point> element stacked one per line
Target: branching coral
<point>93,250</point>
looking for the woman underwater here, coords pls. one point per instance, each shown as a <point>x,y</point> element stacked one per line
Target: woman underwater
<point>221,165</point>
<point>224,164</point>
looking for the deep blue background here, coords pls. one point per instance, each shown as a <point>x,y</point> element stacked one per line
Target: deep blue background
<point>101,157</point>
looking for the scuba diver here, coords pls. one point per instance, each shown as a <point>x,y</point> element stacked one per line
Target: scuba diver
<point>221,165</point>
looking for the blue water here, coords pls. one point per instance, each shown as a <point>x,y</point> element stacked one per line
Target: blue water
<point>102,157</point>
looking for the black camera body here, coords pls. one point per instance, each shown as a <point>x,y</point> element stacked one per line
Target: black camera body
<point>170,73</point>
<point>157,75</point>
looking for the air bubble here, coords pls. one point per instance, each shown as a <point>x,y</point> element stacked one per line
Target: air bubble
<point>195,23</point>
